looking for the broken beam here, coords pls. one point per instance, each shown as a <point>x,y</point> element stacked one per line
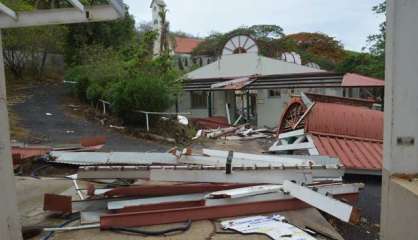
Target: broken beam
<point>149,218</point>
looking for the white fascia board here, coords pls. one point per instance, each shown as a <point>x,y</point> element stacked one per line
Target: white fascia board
<point>9,12</point>
<point>245,192</point>
<point>60,16</point>
<point>329,205</point>
<point>296,133</point>
<point>119,7</point>
<point>291,147</point>
<point>77,4</point>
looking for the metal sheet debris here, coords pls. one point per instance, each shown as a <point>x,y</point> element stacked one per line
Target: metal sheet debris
<point>273,227</point>
<point>334,207</point>
<point>112,158</point>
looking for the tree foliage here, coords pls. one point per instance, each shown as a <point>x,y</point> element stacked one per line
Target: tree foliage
<point>372,63</point>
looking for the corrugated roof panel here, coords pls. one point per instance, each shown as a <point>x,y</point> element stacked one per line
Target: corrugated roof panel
<point>345,120</point>
<point>353,153</point>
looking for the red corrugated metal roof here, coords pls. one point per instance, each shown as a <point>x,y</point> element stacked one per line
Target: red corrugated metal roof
<point>357,80</point>
<point>345,120</point>
<point>353,153</point>
<point>186,45</point>
<point>354,134</point>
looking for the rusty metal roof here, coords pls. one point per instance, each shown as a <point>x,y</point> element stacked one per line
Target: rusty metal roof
<point>353,153</point>
<point>352,133</point>
<point>345,120</point>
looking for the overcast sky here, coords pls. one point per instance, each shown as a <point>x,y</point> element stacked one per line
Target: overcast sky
<point>350,21</point>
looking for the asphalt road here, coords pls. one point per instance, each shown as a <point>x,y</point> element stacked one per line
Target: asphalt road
<point>43,114</point>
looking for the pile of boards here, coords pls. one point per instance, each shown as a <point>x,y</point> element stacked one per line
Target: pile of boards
<point>236,133</point>
<point>182,187</point>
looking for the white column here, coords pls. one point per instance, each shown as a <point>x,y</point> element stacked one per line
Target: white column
<point>9,220</point>
<point>401,97</point>
<point>399,219</point>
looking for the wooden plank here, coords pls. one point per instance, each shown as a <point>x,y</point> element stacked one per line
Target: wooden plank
<point>329,205</point>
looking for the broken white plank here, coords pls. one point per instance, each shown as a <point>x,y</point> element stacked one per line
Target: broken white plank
<point>313,151</point>
<point>245,192</point>
<point>9,12</point>
<point>219,176</point>
<point>292,147</point>
<point>329,205</point>
<point>243,162</point>
<point>218,157</point>
<point>112,158</point>
<point>116,205</point>
<point>77,4</point>
<point>296,133</point>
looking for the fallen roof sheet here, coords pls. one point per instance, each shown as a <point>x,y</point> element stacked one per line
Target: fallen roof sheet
<point>112,158</point>
<point>353,153</point>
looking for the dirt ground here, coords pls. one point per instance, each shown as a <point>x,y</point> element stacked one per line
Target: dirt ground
<point>42,118</point>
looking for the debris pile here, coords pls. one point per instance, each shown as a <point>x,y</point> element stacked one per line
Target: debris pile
<point>124,191</point>
<point>235,133</point>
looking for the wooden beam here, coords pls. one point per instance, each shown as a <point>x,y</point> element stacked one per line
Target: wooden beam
<point>60,16</point>
<point>9,12</point>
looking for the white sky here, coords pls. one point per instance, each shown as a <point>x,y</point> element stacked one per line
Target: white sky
<point>350,21</point>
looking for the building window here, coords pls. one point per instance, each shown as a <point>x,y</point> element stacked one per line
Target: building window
<point>199,99</point>
<point>275,93</point>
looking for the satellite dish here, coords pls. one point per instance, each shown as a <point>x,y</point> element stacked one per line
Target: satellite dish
<point>313,65</point>
<point>292,57</point>
<point>240,44</point>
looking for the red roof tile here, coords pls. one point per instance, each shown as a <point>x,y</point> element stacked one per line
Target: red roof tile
<point>356,80</point>
<point>186,45</point>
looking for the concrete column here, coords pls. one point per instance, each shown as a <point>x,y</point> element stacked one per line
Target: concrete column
<point>9,217</point>
<point>399,218</point>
